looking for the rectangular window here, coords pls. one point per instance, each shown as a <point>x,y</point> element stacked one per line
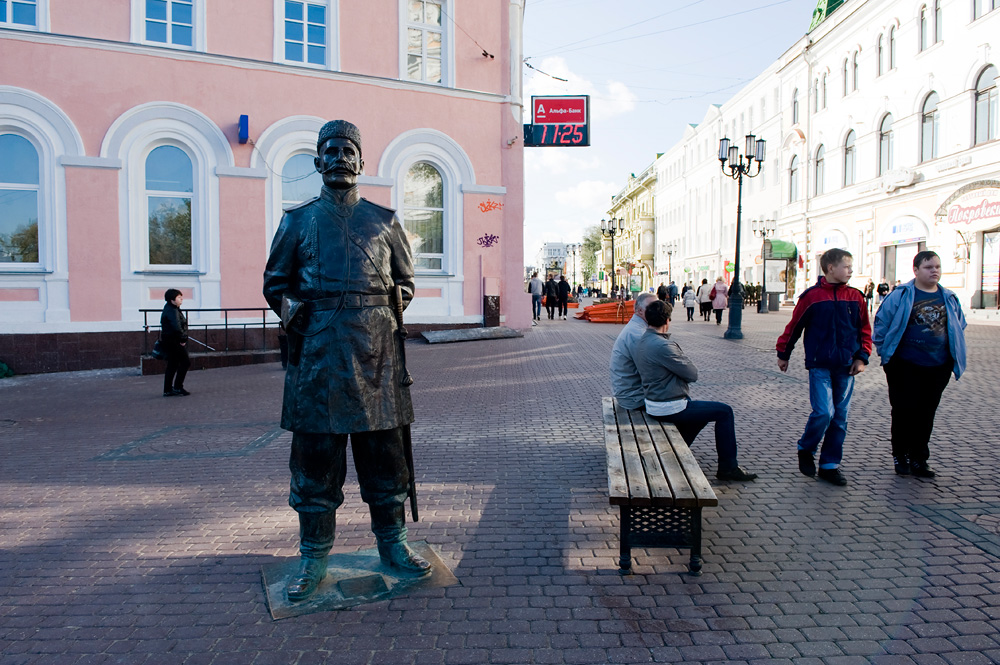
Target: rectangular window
<point>424,38</point>
<point>305,32</point>
<point>19,13</point>
<point>170,22</point>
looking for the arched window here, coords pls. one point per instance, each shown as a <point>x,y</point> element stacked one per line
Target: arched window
<point>815,99</point>
<point>854,71</point>
<point>924,29</point>
<point>793,180</point>
<point>892,47</point>
<point>885,145</point>
<point>850,159</point>
<point>929,128</point>
<point>19,191</point>
<point>169,178</point>
<point>938,25</point>
<point>820,170</point>
<point>880,55</point>
<point>300,181</point>
<point>823,85</point>
<point>423,216</point>
<point>845,77</point>
<point>795,106</point>
<point>986,105</point>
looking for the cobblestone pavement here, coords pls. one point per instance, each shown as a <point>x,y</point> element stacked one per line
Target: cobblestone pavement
<point>133,527</point>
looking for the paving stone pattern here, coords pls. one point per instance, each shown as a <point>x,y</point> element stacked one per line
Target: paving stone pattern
<point>133,527</point>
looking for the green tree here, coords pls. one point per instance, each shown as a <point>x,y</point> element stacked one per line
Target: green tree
<point>591,245</point>
<point>170,233</point>
<point>21,245</point>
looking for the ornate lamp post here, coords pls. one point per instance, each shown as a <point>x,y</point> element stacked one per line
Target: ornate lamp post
<point>762,228</point>
<point>609,229</point>
<point>739,166</point>
<point>671,248</point>
<point>572,248</point>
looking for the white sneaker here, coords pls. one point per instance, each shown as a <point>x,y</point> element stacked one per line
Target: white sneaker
<point>534,323</point>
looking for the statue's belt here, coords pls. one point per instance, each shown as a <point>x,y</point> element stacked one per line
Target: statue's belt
<point>350,301</point>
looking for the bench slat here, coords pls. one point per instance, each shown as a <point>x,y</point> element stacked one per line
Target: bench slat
<point>659,488</point>
<point>617,482</point>
<point>638,489</point>
<point>665,436</point>
<point>696,477</point>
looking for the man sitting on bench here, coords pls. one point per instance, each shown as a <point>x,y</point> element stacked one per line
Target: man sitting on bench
<point>665,373</point>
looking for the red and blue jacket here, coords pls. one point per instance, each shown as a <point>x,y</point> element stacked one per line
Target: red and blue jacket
<point>834,318</point>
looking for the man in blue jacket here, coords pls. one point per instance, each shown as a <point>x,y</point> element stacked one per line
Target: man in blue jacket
<point>919,333</point>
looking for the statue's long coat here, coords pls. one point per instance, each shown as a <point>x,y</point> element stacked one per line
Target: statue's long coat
<point>345,364</point>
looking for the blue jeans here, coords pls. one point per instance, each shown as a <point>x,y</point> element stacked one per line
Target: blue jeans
<point>693,419</point>
<point>536,307</point>
<point>830,396</point>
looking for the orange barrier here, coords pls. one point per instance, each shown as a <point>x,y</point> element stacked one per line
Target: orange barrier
<point>611,312</point>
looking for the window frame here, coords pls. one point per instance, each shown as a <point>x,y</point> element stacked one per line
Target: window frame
<point>198,38</point>
<point>980,8</point>
<point>142,210</point>
<point>991,93</point>
<point>819,171</point>
<point>892,48</point>
<point>854,72</point>
<point>795,106</point>
<point>332,43</point>
<point>443,254</point>
<point>938,22</point>
<point>885,145</point>
<point>880,55</point>
<point>41,223</point>
<point>793,179</point>
<point>935,120</point>
<point>923,29</point>
<point>447,43</point>
<point>850,159</point>
<point>41,17</point>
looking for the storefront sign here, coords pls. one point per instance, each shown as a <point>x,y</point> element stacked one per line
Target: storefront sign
<point>831,239</point>
<point>903,231</point>
<point>979,208</point>
<point>774,275</point>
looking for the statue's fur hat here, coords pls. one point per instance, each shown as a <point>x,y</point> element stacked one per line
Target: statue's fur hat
<point>339,129</point>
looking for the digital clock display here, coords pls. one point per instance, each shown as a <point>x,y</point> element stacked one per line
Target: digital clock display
<point>556,135</point>
<point>562,121</point>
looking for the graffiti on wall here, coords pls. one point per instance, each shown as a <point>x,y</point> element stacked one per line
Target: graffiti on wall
<point>488,240</point>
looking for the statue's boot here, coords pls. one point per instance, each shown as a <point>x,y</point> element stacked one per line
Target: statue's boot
<point>316,532</point>
<point>389,528</point>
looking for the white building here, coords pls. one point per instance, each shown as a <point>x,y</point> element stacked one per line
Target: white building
<point>551,259</point>
<point>882,138</point>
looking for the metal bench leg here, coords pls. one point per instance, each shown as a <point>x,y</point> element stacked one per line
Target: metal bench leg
<point>625,560</point>
<point>695,566</point>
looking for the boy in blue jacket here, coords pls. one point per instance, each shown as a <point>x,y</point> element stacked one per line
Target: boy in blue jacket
<point>838,342</point>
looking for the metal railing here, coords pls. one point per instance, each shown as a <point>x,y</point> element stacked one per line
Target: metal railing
<point>239,327</point>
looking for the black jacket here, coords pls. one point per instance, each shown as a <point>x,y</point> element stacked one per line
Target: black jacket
<point>564,290</point>
<point>173,325</point>
<point>551,289</point>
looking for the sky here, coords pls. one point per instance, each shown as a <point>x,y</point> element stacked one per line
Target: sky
<point>651,67</point>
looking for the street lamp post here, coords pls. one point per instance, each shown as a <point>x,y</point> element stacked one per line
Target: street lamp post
<point>671,248</point>
<point>739,166</point>
<point>762,228</point>
<point>572,250</point>
<point>609,229</point>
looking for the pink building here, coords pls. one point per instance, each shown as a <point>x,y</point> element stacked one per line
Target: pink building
<point>122,172</point>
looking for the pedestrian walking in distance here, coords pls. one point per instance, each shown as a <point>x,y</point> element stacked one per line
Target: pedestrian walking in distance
<point>564,290</point>
<point>719,299</point>
<point>551,297</point>
<point>705,300</point>
<point>173,337</point>
<point>690,299</point>
<point>920,337</point>
<point>535,288</point>
<point>838,342</point>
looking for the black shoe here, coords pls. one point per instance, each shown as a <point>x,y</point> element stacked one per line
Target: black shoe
<point>807,465</point>
<point>182,392</point>
<point>922,470</point>
<point>401,557</point>
<point>736,473</point>
<point>303,583</point>
<point>832,476</point>
<point>902,466</point>
<point>171,393</point>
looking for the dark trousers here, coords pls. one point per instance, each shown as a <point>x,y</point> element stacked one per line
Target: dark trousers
<point>718,316</point>
<point>706,310</point>
<point>914,394</point>
<point>178,363</point>
<point>693,419</point>
<point>563,306</point>
<point>690,313</point>
<point>550,306</point>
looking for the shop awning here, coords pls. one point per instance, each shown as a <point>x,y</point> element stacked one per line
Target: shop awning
<point>780,249</point>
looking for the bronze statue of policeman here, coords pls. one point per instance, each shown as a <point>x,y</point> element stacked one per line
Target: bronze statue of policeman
<point>335,262</point>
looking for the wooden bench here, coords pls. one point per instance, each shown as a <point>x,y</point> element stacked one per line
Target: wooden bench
<point>656,482</point>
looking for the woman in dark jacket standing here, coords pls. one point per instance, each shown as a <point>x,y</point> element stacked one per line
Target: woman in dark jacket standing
<point>173,335</point>
<point>564,290</point>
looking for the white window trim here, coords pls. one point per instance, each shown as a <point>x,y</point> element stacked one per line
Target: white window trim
<point>138,27</point>
<point>446,213</point>
<point>41,18</point>
<point>332,35</point>
<point>142,238</point>
<point>447,43</point>
<point>45,203</point>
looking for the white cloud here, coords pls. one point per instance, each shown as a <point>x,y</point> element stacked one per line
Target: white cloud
<point>606,100</point>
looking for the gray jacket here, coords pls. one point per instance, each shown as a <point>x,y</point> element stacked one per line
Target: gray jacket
<point>665,370</point>
<point>626,385</point>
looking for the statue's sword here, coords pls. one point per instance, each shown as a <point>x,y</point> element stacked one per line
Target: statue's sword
<point>406,381</point>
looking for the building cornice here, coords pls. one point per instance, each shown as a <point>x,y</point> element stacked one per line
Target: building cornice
<point>245,64</point>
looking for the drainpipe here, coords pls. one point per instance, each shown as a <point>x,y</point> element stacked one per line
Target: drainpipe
<point>810,61</point>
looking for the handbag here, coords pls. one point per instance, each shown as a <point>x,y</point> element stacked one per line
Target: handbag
<point>158,351</point>
<point>711,296</point>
